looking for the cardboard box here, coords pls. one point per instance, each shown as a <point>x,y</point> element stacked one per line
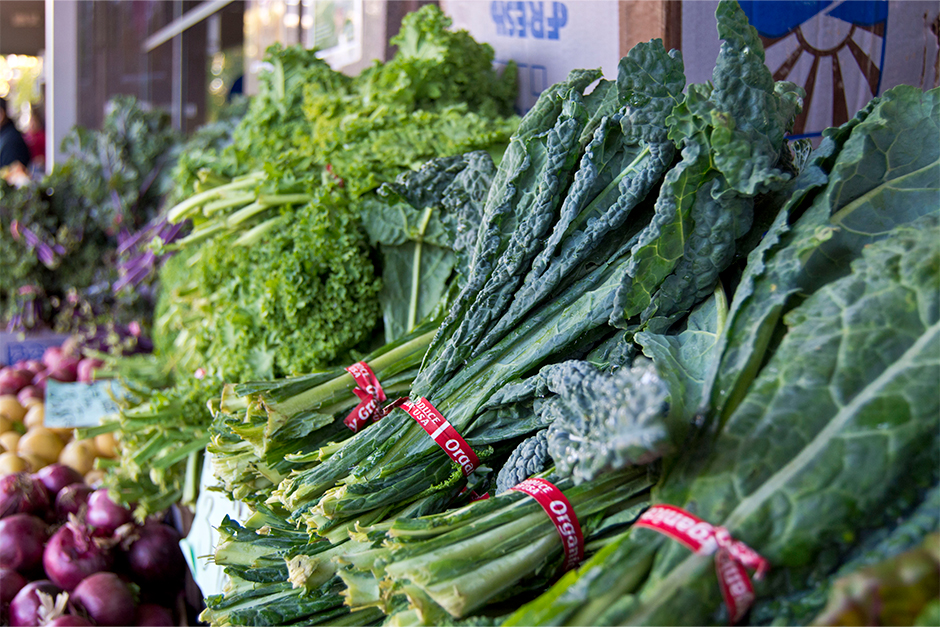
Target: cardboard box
<point>842,53</point>
<point>546,39</point>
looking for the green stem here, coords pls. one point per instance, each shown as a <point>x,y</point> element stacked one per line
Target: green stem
<point>224,203</point>
<point>315,397</point>
<point>182,210</point>
<point>416,270</point>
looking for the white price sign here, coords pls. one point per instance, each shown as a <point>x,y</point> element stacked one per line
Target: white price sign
<point>80,404</point>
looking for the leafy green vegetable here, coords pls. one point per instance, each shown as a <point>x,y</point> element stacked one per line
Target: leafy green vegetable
<point>261,431</point>
<point>62,237</point>
<point>880,546</point>
<point>604,422</point>
<point>858,185</point>
<point>784,474</point>
<point>465,558</point>
<point>161,434</point>
<point>278,226</point>
<point>526,460</point>
<point>731,133</point>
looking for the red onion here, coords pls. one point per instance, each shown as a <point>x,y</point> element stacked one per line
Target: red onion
<point>104,515</point>
<point>12,380</point>
<point>106,599</point>
<point>21,494</point>
<point>57,476</point>
<point>71,499</point>
<point>22,537</point>
<point>87,367</point>
<point>53,356</point>
<point>33,365</point>
<point>155,559</point>
<point>153,615</point>
<point>39,381</point>
<point>69,620</point>
<point>11,582</point>
<point>66,372</point>
<point>28,393</point>
<point>72,555</point>
<point>24,609</point>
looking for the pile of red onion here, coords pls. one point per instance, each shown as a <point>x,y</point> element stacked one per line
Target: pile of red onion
<point>69,555</point>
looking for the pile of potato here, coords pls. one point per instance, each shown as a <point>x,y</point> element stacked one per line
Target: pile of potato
<point>26,444</point>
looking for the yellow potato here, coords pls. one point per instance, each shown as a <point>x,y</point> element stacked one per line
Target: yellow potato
<point>35,462</point>
<point>80,455</point>
<point>64,433</point>
<point>5,424</point>
<point>11,408</point>
<point>32,400</point>
<point>40,442</point>
<point>94,478</point>
<point>9,440</point>
<point>11,462</point>
<point>35,416</point>
<point>107,445</point>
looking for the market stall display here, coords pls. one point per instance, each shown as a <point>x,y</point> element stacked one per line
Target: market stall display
<point>634,358</point>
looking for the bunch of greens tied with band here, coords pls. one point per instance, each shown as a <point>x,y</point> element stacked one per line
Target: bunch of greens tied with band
<point>591,200</point>
<point>806,396</point>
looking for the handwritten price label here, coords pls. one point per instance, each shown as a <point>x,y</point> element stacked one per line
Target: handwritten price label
<point>80,404</point>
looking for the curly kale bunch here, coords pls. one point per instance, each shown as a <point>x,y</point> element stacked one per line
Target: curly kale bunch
<point>312,288</point>
<point>436,68</point>
<point>280,278</point>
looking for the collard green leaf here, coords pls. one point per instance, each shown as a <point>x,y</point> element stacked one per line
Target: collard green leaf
<point>841,420</point>
<point>407,220</point>
<point>415,278</point>
<point>842,201</point>
<point>684,359</point>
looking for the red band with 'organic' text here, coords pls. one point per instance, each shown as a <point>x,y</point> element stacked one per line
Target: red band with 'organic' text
<point>370,394</point>
<point>443,433</point>
<point>561,513</point>
<point>732,558</point>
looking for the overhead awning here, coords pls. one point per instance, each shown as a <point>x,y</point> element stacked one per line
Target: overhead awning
<point>183,22</point>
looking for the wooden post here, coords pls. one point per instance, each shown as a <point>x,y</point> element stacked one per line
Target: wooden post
<point>642,20</point>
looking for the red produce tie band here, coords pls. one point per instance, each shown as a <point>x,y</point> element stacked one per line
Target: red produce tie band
<point>474,497</point>
<point>732,558</point>
<point>558,508</point>
<point>443,433</point>
<point>370,394</point>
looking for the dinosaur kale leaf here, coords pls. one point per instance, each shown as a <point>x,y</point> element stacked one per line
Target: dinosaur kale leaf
<point>604,422</point>
<point>731,132</point>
